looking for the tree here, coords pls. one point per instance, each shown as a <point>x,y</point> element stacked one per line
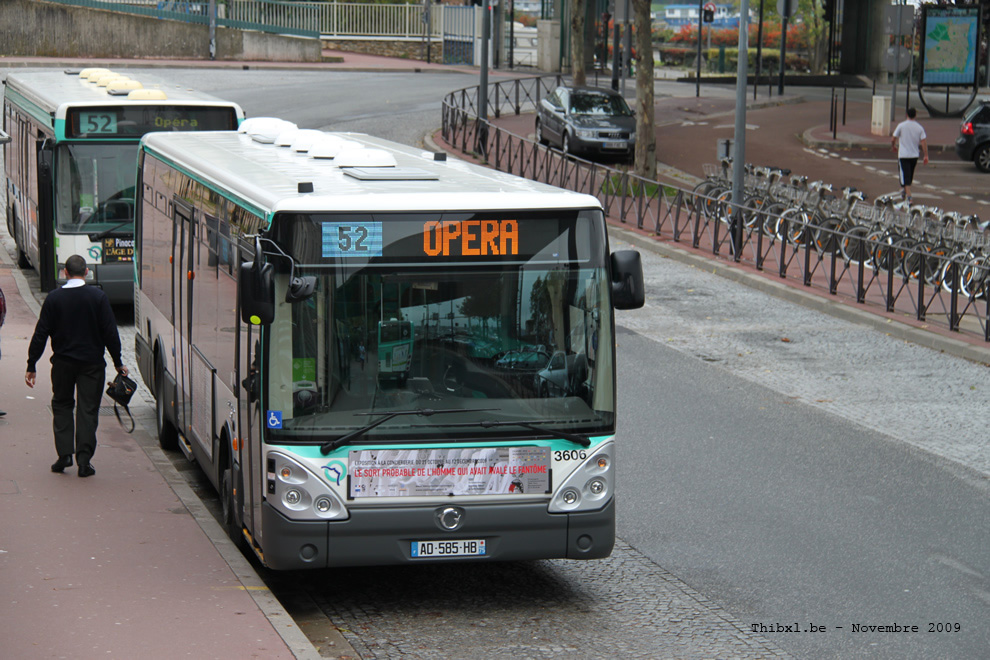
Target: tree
<point>646,136</point>
<point>577,42</point>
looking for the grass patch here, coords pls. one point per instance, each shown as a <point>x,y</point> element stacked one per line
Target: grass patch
<point>613,185</point>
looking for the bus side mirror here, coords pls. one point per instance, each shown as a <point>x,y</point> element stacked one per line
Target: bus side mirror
<point>256,285</point>
<point>628,289</point>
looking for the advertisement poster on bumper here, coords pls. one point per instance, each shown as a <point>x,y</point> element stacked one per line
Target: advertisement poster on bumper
<point>430,472</point>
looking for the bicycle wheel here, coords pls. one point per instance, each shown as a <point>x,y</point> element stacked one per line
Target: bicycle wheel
<point>906,257</point>
<point>797,230</point>
<point>771,218</point>
<point>828,234</point>
<point>973,279</point>
<point>883,243</point>
<point>754,211</point>
<point>958,260</point>
<point>934,263</point>
<point>706,195</point>
<point>855,247</point>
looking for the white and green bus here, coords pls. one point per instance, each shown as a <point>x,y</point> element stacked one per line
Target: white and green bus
<point>265,256</point>
<point>72,160</point>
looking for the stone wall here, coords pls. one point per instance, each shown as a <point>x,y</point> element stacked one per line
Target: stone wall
<point>410,49</point>
<point>33,28</point>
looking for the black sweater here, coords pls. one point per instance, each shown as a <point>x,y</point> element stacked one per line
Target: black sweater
<point>81,324</point>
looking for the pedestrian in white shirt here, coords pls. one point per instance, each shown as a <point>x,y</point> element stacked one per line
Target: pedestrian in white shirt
<point>910,142</point>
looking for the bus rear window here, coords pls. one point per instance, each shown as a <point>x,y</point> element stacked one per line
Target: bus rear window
<point>135,121</point>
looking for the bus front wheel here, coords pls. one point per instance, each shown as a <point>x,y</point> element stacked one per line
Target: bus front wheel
<point>228,500</point>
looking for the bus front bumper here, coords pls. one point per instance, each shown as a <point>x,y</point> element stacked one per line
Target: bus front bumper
<point>383,536</point>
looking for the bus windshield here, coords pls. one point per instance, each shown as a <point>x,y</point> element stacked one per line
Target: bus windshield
<point>527,340</point>
<point>95,187</point>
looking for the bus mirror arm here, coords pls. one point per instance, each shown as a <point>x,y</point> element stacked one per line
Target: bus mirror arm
<point>300,288</point>
<point>628,288</point>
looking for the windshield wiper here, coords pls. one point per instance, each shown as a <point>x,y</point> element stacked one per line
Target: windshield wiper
<point>566,435</point>
<point>328,447</point>
<point>107,232</point>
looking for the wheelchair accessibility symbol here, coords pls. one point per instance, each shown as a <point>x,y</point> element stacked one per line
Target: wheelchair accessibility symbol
<point>274,419</point>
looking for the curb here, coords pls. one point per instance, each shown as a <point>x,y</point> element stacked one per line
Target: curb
<point>21,63</point>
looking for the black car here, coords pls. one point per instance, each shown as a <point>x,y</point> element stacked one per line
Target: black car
<point>973,142</point>
<point>587,121</point>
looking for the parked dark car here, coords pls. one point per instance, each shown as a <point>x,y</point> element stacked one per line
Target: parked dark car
<point>587,121</point>
<point>973,142</point>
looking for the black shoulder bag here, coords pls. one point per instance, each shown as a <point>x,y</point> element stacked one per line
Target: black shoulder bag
<point>120,390</point>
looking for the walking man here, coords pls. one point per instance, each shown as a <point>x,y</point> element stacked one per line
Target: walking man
<point>80,322</point>
<point>909,141</point>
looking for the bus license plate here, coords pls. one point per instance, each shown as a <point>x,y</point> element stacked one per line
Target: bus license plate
<point>461,548</point>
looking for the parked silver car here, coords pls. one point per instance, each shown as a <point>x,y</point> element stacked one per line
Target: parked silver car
<point>564,375</point>
<point>587,121</point>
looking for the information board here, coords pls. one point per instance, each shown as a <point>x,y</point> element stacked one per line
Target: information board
<point>950,45</point>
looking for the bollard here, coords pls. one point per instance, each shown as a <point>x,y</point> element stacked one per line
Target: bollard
<point>831,111</point>
<point>835,112</point>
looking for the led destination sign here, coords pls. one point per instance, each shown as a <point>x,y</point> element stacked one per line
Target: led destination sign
<point>471,238</point>
<point>136,120</point>
<point>447,238</point>
<point>451,238</point>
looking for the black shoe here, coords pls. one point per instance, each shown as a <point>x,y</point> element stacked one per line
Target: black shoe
<point>2,413</point>
<point>87,470</point>
<point>62,463</point>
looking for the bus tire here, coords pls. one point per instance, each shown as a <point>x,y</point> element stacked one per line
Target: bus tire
<point>227,502</point>
<point>22,260</point>
<point>168,435</point>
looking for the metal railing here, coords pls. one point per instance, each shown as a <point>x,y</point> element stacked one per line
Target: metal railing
<point>337,19</point>
<point>682,216</point>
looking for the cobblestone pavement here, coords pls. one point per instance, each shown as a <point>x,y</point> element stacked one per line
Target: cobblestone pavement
<point>625,606</point>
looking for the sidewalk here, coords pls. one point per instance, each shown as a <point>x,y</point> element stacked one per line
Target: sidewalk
<point>125,563</point>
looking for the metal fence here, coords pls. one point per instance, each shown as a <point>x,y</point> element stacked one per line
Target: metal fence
<point>858,274</point>
<point>336,19</point>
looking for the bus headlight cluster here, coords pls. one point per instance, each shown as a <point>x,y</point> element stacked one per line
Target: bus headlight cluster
<point>589,487</point>
<point>299,493</point>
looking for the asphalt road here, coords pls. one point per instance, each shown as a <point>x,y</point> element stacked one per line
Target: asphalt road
<point>397,106</point>
<point>784,514</point>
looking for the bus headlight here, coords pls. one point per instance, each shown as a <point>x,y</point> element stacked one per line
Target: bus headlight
<point>590,486</point>
<point>299,493</point>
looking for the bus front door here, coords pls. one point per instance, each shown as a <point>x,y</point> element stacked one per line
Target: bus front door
<point>46,263</point>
